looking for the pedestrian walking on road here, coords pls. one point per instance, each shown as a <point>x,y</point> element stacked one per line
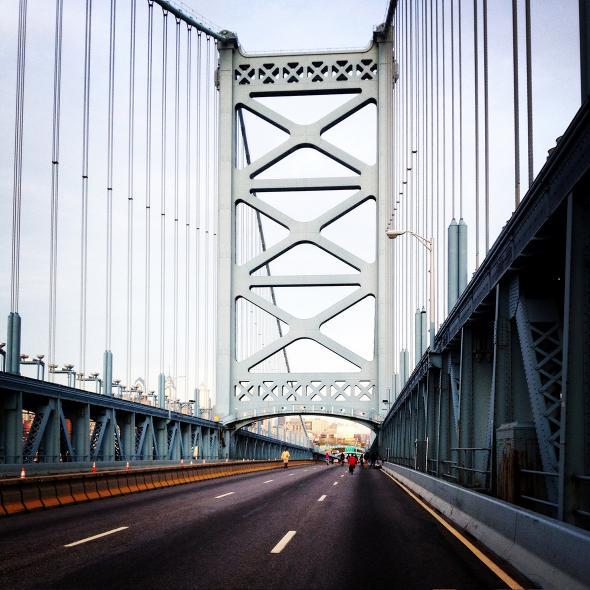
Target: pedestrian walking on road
<point>373,458</point>
<point>342,457</point>
<point>285,457</point>
<point>327,458</point>
<point>351,463</point>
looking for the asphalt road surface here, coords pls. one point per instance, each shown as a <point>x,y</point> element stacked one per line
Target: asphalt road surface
<point>302,528</point>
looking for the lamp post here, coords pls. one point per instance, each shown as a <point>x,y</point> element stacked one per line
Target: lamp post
<point>392,234</point>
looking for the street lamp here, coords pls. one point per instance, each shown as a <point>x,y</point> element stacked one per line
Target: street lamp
<point>392,234</point>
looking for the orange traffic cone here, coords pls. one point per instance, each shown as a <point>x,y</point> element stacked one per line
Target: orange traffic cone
<point>93,467</point>
<point>23,473</point>
<point>127,466</point>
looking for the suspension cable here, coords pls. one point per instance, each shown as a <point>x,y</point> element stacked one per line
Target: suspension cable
<point>460,111</point>
<point>187,255</point>
<point>109,252</point>
<point>486,126</point>
<point>198,222</point>
<point>84,222</point>
<point>206,216</point>
<point>176,169</point>
<point>516,103</point>
<point>453,173</point>
<point>529,89</point>
<point>163,188</point>
<point>476,97</point>
<point>130,187</point>
<point>444,159</point>
<point>148,193</point>
<point>215,218</point>
<point>18,156</point>
<point>244,139</point>
<point>55,180</point>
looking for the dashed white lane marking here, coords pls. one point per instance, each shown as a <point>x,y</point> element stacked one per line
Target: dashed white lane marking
<point>335,483</point>
<point>290,474</point>
<point>342,475</point>
<point>122,528</point>
<point>283,542</point>
<point>268,481</point>
<point>322,498</point>
<point>224,495</point>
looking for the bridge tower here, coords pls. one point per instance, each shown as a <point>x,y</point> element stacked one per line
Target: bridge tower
<point>245,389</point>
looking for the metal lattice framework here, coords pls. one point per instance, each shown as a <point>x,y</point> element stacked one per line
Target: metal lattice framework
<point>365,76</point>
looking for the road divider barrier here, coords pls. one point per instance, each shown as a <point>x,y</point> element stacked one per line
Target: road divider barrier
<point>29,494</point>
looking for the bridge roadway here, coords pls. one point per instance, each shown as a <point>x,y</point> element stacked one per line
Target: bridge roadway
<point>365,533</point>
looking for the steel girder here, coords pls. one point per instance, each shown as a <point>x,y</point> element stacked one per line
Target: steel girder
<point>74,426</point>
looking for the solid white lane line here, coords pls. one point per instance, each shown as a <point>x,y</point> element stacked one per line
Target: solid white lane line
<point>283,542</point>
<point>268,481</point>
<point>121,528</point>
<point>322,498</point>
<point>224,495</point>
<point>335,483</point>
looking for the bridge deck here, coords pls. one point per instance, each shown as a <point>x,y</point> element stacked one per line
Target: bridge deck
<point>365,533</point>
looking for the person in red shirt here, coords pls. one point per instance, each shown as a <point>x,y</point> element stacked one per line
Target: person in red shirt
<point>351,463</point>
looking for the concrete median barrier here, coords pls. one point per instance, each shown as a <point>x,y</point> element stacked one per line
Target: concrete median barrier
<point>50,491</point>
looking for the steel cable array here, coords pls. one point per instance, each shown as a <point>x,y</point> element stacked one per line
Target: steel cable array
<point>434,121</point>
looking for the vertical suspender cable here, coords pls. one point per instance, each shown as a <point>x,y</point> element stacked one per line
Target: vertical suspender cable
<point>486,126</point>
<point>529,89</point>
<point>12,361</point>
<point>516,103</point>
<point>84,221</point>
<point>109,252</point>
<point>411,183</point>
<point>198,225</point>
<point>18,155</point>
<point>453,163</point>
<point>438,165</point>
<point>260,229</point>
<point>163,192</point>
<point>206,216</point>
<point>55,180</point>
<point>460,31</point>
<point>476,93</point>
<point>148,192</point>
<point>425,128</point>
<point>444,160</point>
<point>187,215</point>
<point>130,188</point>
<point>215,216</point>
<point>176,163</point>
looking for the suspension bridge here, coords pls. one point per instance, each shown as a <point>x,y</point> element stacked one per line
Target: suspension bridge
<point>205,241</point>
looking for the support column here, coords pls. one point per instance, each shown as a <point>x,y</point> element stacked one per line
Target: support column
<point>453,264</point>
<point>107,372</point>
<point>13,343</point>
<point>11,427</point>
<point>127,425</point>
<point>81,433</point>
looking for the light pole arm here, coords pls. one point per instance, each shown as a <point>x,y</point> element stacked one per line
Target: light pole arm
<point>426,243</point>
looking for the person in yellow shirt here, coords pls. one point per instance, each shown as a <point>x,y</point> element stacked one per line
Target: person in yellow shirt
<point>285,457</point>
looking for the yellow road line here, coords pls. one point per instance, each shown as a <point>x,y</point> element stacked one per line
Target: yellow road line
<point>496,569</point>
